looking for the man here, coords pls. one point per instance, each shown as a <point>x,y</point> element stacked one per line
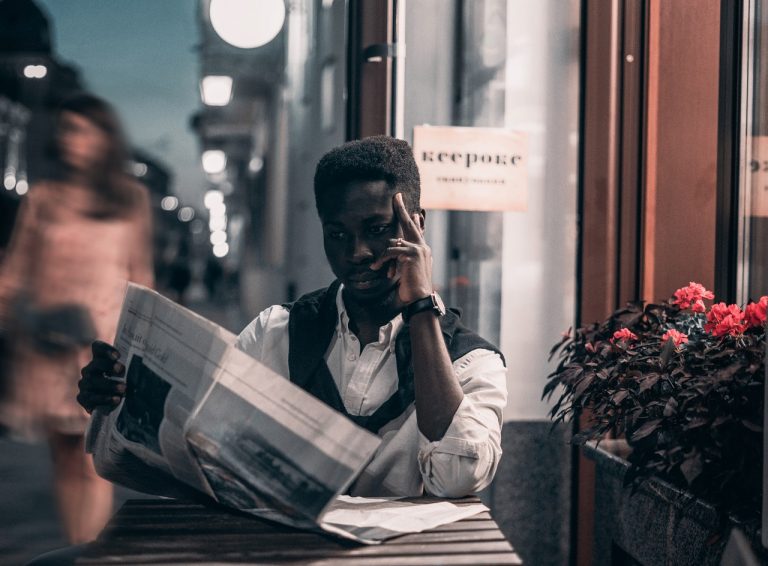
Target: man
<point>377,344</point>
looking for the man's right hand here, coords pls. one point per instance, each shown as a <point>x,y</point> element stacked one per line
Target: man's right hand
<point>96,387</point>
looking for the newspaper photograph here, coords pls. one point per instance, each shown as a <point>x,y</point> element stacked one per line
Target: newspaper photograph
<point>201,416</point>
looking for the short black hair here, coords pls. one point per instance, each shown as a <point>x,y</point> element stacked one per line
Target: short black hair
<point>377,158</point>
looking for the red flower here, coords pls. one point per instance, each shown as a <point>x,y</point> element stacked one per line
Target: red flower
<point>623,335</point>
<point>725,319</point>
<point>691,297</point>
<point>755,313</point>
<point>677,337</point>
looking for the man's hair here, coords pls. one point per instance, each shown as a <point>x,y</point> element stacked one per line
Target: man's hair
<point>377,158</point>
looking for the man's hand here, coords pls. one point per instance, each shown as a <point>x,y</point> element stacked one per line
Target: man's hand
<point>412,255</point>
<point>96,389</point>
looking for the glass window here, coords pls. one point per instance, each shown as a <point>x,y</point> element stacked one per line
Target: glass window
<point>753,278</point>
<point>505,64</point>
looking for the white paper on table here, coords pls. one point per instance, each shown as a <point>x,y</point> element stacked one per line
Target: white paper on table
<point>373,520</point>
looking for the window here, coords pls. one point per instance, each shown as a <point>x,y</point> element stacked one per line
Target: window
<point>753,265</point>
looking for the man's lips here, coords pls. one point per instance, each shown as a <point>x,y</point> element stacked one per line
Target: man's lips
<point>367,279</point>
<point>364,276</point>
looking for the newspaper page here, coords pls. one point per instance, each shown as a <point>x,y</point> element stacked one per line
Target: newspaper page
<point>199,412</point>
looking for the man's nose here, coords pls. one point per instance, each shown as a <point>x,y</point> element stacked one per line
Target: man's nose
<point>360,251</point>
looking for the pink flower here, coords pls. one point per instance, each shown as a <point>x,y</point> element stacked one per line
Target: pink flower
<point>755,313</point>
<point>623,335</point>
<point>691,297</point>
<point>677,337</point>
<point>725,319</point>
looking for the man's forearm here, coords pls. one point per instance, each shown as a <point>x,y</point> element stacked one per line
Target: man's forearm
<point>437,391</point>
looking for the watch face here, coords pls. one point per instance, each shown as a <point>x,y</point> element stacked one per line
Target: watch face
<point>439,305</point>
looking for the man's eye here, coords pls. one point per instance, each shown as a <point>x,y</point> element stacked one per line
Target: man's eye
<point>337,235</point>
<point>379,230</point>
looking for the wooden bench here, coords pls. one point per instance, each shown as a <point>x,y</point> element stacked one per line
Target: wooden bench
<point>159,531</point>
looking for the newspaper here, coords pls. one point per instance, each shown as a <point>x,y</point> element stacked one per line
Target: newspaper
<point>202,417</point>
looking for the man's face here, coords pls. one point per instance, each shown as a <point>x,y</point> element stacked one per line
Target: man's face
<point>356,233</point>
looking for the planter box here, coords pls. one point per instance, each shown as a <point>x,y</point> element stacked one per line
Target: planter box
<point>658,523</point>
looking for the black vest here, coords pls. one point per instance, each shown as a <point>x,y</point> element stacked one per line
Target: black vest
<point>311,325</point>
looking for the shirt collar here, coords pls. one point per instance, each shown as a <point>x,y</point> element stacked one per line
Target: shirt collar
<point>387,333</point>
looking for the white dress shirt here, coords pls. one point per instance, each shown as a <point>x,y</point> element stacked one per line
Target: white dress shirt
<point>406,463</point>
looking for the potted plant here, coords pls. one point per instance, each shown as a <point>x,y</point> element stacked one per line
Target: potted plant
<point>682,383</point>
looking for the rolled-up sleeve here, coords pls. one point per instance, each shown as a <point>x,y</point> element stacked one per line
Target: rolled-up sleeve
<point>464,461</point>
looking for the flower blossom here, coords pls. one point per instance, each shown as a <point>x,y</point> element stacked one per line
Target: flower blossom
<point>677,337</point>
<point>725,319</point>
<point>692,297</point>
<point>623,335</point>
<point>755,313</point>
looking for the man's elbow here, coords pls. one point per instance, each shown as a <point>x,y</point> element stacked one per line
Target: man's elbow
<point>465,478</point>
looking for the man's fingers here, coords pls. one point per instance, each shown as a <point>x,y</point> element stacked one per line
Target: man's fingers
<point>91,401</point>
<point>102,366</point>
<point>392,252</point>
<point>411,230</point>
<point>101,385</point>
<point>103,350</point>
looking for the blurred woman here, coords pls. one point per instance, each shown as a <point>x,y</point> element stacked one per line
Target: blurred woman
<point>77,239</point>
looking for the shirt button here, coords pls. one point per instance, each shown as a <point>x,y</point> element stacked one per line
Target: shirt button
<point>351,357</point>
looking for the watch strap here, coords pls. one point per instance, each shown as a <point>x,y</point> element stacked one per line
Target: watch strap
<point>420,305</point>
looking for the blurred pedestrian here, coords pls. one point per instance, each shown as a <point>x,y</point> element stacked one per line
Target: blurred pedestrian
<point>77,238</point>
<point>180,273</point>
<point>213,278</point>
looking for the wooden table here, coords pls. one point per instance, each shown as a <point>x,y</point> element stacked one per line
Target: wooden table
<point>158,531</point>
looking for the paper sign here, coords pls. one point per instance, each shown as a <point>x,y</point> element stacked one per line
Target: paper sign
<point>472,168</point>
<point>758,174</point>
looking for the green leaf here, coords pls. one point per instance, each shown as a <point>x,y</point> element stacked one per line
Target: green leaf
<point>649,381</point>
<point>645,430</point>
<point>666,352</point>
<point>671,407</point>
<point>692,467</point>
<point>619,396</point>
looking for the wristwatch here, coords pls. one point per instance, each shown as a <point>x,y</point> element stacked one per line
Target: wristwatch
<point>432,302</point>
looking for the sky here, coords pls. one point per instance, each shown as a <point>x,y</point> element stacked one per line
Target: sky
<point>140,56</point>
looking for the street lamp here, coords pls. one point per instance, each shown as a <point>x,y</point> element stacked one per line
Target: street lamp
<point>216,90</point>
<point>247,23</point>
<point>35,71</point>
<point>214,161</point>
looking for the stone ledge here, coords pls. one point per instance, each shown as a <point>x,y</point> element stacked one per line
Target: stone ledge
<point>658,523</point>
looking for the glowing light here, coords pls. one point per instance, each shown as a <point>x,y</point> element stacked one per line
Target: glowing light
<point>169,203</point>
<point>186,213</point>
<point>255,164</point>
<point>139,169</point>
<point>218,237</point>
<point>217,209</point>
<point>221,250</point>
<point>214,161</point>
<point>217,223</point>
<point>22,187</point>
<point>213,198</point>
<point>9,182</point>
<point>35,71</point>
<point>247,23</point>
<point>216,90</point>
